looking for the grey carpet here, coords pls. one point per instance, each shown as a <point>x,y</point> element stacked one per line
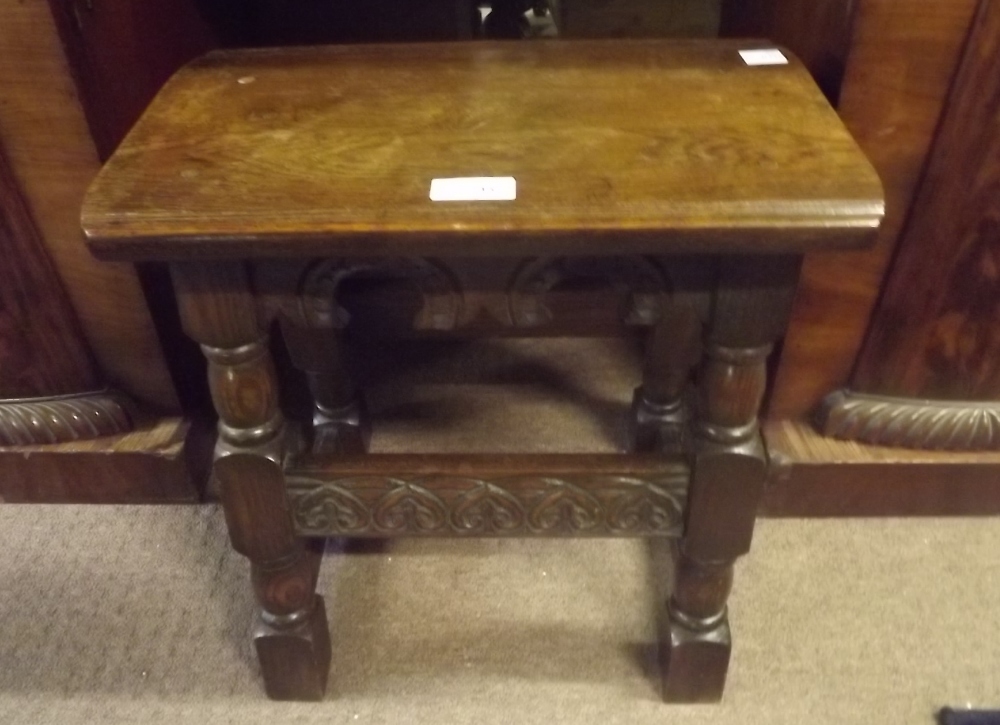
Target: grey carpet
<point>141,615</point>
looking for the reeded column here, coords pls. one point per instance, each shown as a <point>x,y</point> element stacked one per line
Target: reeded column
<point>291,635</point>
<point>752,303</point>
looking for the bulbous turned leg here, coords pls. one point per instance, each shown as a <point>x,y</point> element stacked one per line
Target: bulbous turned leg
<point>660,418</point>
<point>291,636</point>
<point>340,419</point>
<point>729,473</point>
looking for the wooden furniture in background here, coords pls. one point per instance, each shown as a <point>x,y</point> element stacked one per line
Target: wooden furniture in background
<point>42,351</point>
<point>899,66</point>
<point>324,171</point>
<point>813,475</point>
<point>51,159</point>
<point>929,375</point>
<point>63,438</point>
<point>636,18</point>
<point>69,326</point>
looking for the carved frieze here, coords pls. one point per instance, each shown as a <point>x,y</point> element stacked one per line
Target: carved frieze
<point>526,505</point>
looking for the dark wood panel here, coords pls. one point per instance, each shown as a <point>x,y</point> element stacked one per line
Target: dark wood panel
<point>817,31</point>
<point>936,333</point>
<point>42,351</point>
<point>903,56</point>
<point>122,51</point>
<point>636,18</point>
<point>286,22</point>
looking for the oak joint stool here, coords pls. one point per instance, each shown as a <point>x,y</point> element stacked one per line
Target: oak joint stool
<point>477,189</point>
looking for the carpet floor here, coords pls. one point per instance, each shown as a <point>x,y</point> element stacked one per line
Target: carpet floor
<point>142,615</point>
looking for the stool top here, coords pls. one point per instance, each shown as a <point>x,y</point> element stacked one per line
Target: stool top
<point>614,146</point>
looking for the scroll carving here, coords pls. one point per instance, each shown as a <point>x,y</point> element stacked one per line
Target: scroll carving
<point>64,418</point>
<point>439,288</point>
<point>639,281</point>
<point>442,505</point>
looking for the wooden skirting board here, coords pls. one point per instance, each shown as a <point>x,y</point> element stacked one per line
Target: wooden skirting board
<point>817,476</point>
<point>163,460</point>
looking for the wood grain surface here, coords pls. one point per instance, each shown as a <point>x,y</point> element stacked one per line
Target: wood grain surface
<point>936,333</point>
<point>162,461</point>
<point>53,159</point>
<point>42,351</point>
<point>902,59</point>
<point>652,146</point>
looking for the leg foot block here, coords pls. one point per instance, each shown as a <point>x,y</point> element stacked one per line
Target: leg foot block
<point>694,664</point>
<point>295,661</point>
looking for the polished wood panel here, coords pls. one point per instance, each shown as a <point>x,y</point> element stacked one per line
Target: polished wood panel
<point>164,460</point>
<point>902,59</point>
<point>42,351</point>
<point>341,158</point>
<point>936,333</point>
<point>53,159</point>
<point>122,52</point>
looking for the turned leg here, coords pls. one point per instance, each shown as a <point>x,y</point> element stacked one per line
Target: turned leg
<point>291,636</point>
<point>659,413</point>
<point>729,471</point>
<point>340,420</point>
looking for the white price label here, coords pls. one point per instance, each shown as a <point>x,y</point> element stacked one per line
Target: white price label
<point>474,188</point>
<point>764,56</point>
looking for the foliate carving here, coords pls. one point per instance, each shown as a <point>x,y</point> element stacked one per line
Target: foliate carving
<point>332,508</point>
<point>441,292</point>
<point>409,508</point>
<point>442,505</point>
<point>65,418</point>
<point>565,508</point>
<point>908,423</point>
<point>644,507</point>
<point>486,509</point>
<point>640,282</point>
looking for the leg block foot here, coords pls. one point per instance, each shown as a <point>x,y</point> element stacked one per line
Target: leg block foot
<point>344,430</point>
<point>657,427</point>
<point>295,660</point>
<point>694,664</point>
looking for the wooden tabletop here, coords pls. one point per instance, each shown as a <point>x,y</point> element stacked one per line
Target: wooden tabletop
<point>648,146</point>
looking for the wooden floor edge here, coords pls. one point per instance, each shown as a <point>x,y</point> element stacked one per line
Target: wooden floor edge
<point>165,460</point>
<point>816,476</point>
